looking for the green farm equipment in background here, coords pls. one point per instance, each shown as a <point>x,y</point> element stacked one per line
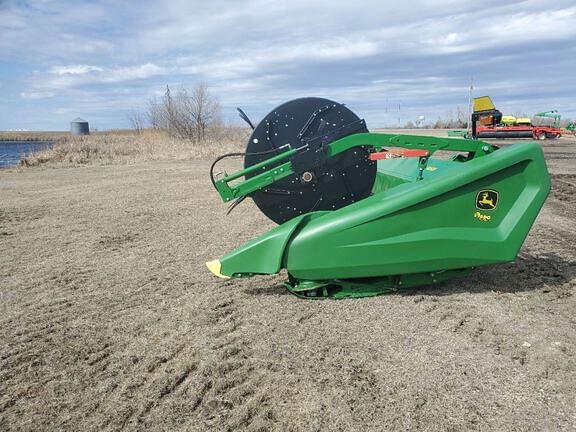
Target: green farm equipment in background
<point>362,214</point>
<point>570,127</point>
<point>553,114</point>
<point>458,133</point>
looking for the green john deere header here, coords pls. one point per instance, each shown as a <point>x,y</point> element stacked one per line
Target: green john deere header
<point>363,214</point>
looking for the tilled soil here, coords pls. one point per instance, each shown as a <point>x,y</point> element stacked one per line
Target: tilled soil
<point>109,320</point>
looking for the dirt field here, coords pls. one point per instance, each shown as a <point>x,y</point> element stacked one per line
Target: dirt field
<point>109,320</point>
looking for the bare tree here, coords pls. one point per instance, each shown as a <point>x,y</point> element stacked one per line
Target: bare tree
<point>185,114</point>
<point>155,114</point>
<point>204,110</point>
<point>158,111</point>
<point>137,120</point>
<point>449,121</point>
<point>461,117</point>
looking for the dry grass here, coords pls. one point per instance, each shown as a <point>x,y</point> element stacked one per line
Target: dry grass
<point>109,320</point>
<point>32,136</point>
<point>119,147</point>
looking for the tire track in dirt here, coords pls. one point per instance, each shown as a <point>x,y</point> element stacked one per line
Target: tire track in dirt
<point>554,233</point>
<point>495,332</point>
<point>169,381</point>
<point>51,324</point>
<point>560,155</point>
<point>231,399</point>
<point>211,380</point>
<point>563,194</point>
<point>22,215</point>
<point>60,284</point>
<point>43,322</point>
<point>128,403</point>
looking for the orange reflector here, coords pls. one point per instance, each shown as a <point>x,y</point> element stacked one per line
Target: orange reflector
<point>399,153</point>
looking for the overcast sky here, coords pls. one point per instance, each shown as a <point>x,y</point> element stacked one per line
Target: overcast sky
<point>102,59</point>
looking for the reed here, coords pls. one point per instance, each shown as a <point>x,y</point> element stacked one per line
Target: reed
<point>32,136</point>
<point>113,147</point>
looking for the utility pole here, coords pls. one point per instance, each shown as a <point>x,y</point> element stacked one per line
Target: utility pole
<point>470,109</point>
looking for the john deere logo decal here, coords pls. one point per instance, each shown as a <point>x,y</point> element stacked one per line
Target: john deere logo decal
<point>487,199</point>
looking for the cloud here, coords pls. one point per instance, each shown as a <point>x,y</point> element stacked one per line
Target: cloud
<point>132,73</point>
<point>36,95</point>
<point>96,57</point>
<point>74,69</point>
<point>84,76</point>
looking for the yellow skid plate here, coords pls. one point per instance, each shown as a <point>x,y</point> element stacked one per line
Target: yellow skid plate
<point>214,267</point>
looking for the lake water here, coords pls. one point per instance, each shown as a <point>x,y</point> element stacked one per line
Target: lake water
<point>11,151</point>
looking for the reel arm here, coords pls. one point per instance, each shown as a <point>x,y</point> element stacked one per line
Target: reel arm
<point>281,165</point>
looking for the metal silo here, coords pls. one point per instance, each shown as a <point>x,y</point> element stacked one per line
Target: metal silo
<point>79,126</point>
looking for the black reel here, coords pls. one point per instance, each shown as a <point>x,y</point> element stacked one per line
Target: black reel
<point>319,182</point>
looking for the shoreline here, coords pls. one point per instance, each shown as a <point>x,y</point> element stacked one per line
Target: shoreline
<point>16,139</point>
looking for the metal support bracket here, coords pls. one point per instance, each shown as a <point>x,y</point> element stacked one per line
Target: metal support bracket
<point>286,163</point>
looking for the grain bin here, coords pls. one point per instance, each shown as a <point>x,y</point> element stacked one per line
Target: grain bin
<point>79,126</point>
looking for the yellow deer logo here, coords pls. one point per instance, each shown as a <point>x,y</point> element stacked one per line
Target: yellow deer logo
<point>487,200</point>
